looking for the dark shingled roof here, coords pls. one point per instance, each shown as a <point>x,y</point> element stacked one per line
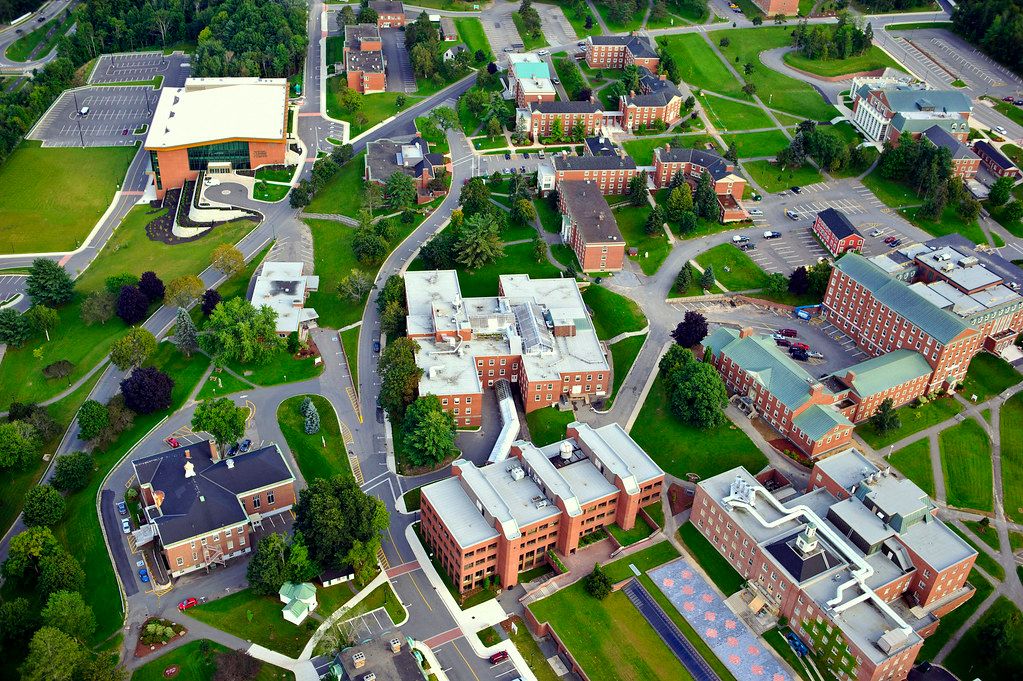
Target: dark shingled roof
<point>715,164</point>
<point>615,162</point>
<point>600,146</point>
<point>998,157</point>
<point>369,62</point>
<point>588,208</point>
<point>384,7</point>
<point>640,46</point>
<point>565,107</point>
<point>799,566</point>
<point>837,223</point>
<point>208,500</point>
<point>940,137</point>
<point>655,92</point>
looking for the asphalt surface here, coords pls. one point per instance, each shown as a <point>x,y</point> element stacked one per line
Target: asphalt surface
<point>115,113</point>
<point>112,527</point>
<point>11,34</point>
<point>397,66</point>
<point>141,66</point>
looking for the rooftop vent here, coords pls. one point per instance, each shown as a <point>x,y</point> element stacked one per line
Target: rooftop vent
<point>566,450</point>
<point>230,463</point>
<point>517,473</point>
<point>189,469</point>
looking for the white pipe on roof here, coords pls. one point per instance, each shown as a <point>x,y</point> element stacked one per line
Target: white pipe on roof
<point>509,423</point>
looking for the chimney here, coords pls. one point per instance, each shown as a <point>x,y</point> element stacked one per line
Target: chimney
<point>850,376</point>
<point>189,469</point>
<point>662,76</point>
<point>667,147</point>
<point>632,93</point>
<point>214,452</point>
<point>746,332</point>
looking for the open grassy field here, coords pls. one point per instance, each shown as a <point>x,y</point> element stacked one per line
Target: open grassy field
<point>375,108</point>
<point>254,618</point>
<point>726,114</point>
<point>966,463</point>
<point>642,150</point>
<point>773,179</point>
<point>984,561</point>
<point>913,420</point>
<point>914,461</point>
<point>699,65</point>
<point>470,32</point>
<point>517,258</point>
<point>623,355</point>
<point>342,194</point>
<point>953,621</point>
<point>529,40</point>
<point>758,144</point>
<point>547,425</point>
<point>220,384</point>
<point>680,449</point>
<point>964,660</point>
<point>332,243</point>
<point>988,375</point>
<point>733,268</point>
<point>128,250</point>
<point>1012,456</point>
<point>550,218</point>
<point>64,190</point>
<point>195,666</point>
<point>315,459</point>
<point>713,563</point>
<point>578,20</point>
<point>612,313</point>
<point>872,59</point>
<point>653,248</point>
<point>778,91</point>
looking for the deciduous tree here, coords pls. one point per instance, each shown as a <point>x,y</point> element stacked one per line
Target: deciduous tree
<point>19,444</point>
<point>132,305</point>
<point>598,584</point>
<point>147,390</point>
<point>133,348</point>
<point>399,376</point>
<point>52,656</point>
<point>228,259</point>
<point>184,291</point>
<point>68,612</point>
<point>428,432</point>
<point>885,419</point>
<point>152,286</point>
<point>221,418</point>
<point>44,506</point>
<point>210,300</point>
<point>239,332</point>
<point>98,308</point>
<point>72,471</point>
<point>354,286</point>
<point>42,318</point>
<point>691,330</point>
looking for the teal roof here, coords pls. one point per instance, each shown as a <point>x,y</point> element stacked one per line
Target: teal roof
<point>760,357</point>
<point>292,591</point>
<point>297,608</point>
<point>721,337</point>
<point>887,371</point>
<point>531,70</point>
<point>940,324</point>
<point>817,421</point>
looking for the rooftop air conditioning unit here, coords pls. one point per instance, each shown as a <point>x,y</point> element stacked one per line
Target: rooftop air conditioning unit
<point>517,473</point>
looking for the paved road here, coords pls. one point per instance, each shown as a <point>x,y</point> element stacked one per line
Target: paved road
<point>12,33</point>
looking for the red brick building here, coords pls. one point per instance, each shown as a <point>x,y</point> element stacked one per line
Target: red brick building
<point>413,158</point>
<point>201,507</point>
<point>610,174</point>
<point>528,334</point>
<point>859,565</point>
<point>619,51</point>
<point>884,111</point>
<point>965,163</point>
<point>364,59</point>
<point>658,99</point>
<point>389,14</point>
<point>835,231</point>
<point>994,160</point>
<point>533,91</point>
<point>589,227</point>
<point>692,163</point>
<point>542,115</point>
<point>502,519</point>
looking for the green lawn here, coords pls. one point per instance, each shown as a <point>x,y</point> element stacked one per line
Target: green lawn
<point>987,533</point>
<point>776,90</point>
<point>413,498</point>
<point>914,461</point>
<point>282,368</point>
<point>566,256</point>
<point>255,618</point>
<point>343,194</point>
<point>653,249</point>
<point>949,223</point>
<point>612,313</point>
<point>680,449</point>
<point>729,115</point>
<point>46,188</point>
<point>275,174</point>
<point>529,40</point>
<point>985,562</point>
<point>733,268</point>
<point>631,24</point>
<point>470,32</point>
<point>549,217</point>
<point>128,250</point>
<point>623,356</point>
<point>376,108</point>
<point>350,343</point>
<point>578,21</point>
<point>332,243</point>
<point>271,193</point>
<point>194,666</point>
<point>570,76</point>
<point>642,150</point>
<point>892,194</point>
<point>531,653</point>
<point>988,375</point>
<point>547,425</point>
<point>220,384</point>
<point>639,532</point>
<point>381,597</point>
<point>322,455</point>
<point>773,179</point>
<point>21,49</point>
<point>335,50</point>
<point>1012,456</point>
<point>900,197</point>
<point>757,144</point>
<point>518,259</point>
<point>914,419</point>
<point>873,59</point>
<point>699,65</point>
<point>953,621</point>
<point>966,463</point>
<point>1010,111</point>
<point>964,660</point>
<point>724,576</point>
<point>913,26</point>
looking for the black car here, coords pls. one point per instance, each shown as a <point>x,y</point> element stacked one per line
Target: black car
<point>747,247</point>
<point>380,414</point>
<point>799,354</point>
<point>244,447</point>
<point>1018,102</point>
<point>233,449</point>
<point>507,157</point>
<point>525,154</point>
<point>376,346</point>
<point>797,190</point>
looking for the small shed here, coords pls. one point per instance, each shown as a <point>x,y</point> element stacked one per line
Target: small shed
<point>299,600</point>
<point>334,577</point>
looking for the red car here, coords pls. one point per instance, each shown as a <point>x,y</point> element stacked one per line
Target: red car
<point>801,346</point>
<point>782,342</point>
<point>187,603</point>
<point>791,333</point>
<point>499,656</point>
<point>173,442</point>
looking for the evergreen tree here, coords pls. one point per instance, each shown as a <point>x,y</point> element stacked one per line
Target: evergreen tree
<point>185,335</point>
<point>312,420</point>
<point>684,279</point>
<point>706,200</point>
<point>707,278</point>
<point>307,404</point>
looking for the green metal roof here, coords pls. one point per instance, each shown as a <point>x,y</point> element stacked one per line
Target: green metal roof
<point>292,591</point>
<point>531,70</point>
<point>941,325</point>
<point>818,421</point>
<point>887,371</point>
<point>721,337</point>
<point>760,357</point>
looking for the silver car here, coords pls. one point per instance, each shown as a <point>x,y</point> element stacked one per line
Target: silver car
<point>126,526</point>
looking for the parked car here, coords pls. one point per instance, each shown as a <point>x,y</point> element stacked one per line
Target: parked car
<point>246,444</point>
<point>499,656</point>
<point>791,214</point>
<point>782,342</point>
<point>1008,99</point>
<point>800,355</point>
<point>801,346</point>
<point>523,168</point>
<point>187,603</point>
<point>173,442</point>
<point>126,526</point>
<point>748,247</point>
<point>84,111</point>
<point>555,81</point>
<point>756,211</point>
<point>788,333</point>
<point>815,355</point>
<point>889,239</point>
<point>376,346</point>
<point>772,235</point>
<point>876,232</point>
<point>897,242</point>
<point>1018,102</point>
<point>124,132</point>
<point>797,190</point>
<point>525,155</point>
<point>777,336</point>
<point>1000,130</point>
<point>543,53</point>
<point>582,43</point>
<point>233,449</point>
<point>740,239</point>
<point>541,154</point>
<point>758,197</point>
<point>797,644</point>
<point>144,575</point>
<point>380,414</point>
<point>507,156</point>
<point>122,508</point>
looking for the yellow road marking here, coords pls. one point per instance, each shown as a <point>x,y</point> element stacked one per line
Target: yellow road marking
<point>416,584</point>
<point>395,545</point>
<point>354,397</point>
<point>455,646</point>
<point>252,411</point>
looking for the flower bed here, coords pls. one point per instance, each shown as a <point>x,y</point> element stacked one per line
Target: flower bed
<point>155,634</point>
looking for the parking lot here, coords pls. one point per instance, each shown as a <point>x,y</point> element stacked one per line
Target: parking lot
<point>397,66</point>
<point>115,113</point>
<point>143,66</point>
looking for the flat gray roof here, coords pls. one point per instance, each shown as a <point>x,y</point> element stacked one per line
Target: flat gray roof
<point>458,512</point>
<point>933,541</point>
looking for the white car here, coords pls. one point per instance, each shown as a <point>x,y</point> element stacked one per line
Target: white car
<point>877,232</point>
<point>126,526</point>
<point>740,239</point>
<point>756,211</point>
<point>1000,130</point>
<point>543,53</point>
<point>814,355</point>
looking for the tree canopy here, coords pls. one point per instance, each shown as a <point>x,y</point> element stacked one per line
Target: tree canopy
<point>221,418</point>
<point>237,331</point>
<point>428,432</point>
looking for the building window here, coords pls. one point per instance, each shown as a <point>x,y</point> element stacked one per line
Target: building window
<point>270,497</point>
<point>255,504</point>
<point>235,153</point>
<point>180,561</point>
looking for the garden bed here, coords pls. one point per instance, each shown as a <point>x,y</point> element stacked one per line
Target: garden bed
<point>156,633</point>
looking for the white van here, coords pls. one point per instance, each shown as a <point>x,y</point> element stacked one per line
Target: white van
<point>84,111</point>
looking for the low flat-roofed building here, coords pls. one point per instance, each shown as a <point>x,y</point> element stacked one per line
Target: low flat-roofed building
<point>387,658</point>
<point>503,518</point>
<point>536,333</point>
<point>217,124</point>
<point>589,228</point>
<point>835,231</point>
<point>283,288</point>
<point>411,157</point>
